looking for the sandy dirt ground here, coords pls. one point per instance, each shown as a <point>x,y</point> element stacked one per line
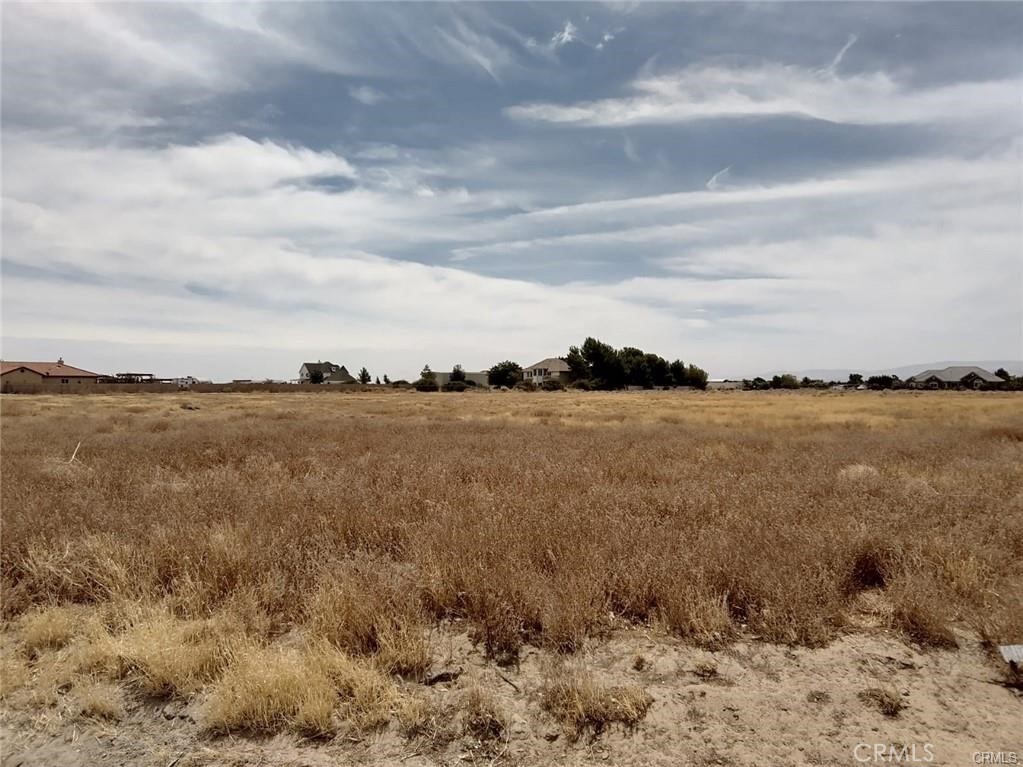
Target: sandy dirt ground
<point>749,704</point>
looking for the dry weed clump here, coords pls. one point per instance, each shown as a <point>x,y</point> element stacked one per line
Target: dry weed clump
<point>48,628</point>
<point>576,699</point>
<point>483,718</point>
<point>14,672</point>
<point>886,701</point>
<point>420,718</point>
<point>168,656</point>
<point>287,688</point>
<point>98,700</point>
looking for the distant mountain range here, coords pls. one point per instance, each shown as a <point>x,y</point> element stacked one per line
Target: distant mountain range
<point>841,374</point>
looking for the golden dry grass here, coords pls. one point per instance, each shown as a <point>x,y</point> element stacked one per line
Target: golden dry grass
<point>575,698</point>
<point>195,539</point>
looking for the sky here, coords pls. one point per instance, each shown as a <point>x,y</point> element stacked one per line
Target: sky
<point>228,190</point>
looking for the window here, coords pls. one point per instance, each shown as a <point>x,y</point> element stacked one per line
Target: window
<point>63,380</point>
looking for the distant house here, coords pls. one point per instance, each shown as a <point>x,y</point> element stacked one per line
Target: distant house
<point>550,369</point>
<point>955,377</point>
<point>19,373</point>
<point>332,374</point>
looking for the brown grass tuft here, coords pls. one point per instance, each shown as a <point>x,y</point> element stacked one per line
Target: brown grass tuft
<point>98,700</point>
<point>288,688</point>
<point>167,656</point>
<point>483,719</point>
<point>887,702</point>
<point>576,699</point>
<point>48,628</point>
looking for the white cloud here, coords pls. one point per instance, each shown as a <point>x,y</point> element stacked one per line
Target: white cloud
<point>713,92</point>
<point>569,33</point>
<point>368,95</point>
<point>231,243</point>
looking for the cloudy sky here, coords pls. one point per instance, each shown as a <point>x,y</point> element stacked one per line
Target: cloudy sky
<point>227,190</point>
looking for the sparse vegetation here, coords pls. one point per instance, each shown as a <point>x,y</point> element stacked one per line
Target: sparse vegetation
<point>284,558</point>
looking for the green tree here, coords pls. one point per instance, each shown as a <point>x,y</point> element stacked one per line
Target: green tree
<point>386,379</point>
<point>1003,374</point>
<point>696,376</point>
<point>505,373</point>
<point>658,369</point>
<point>881,382</point>
<point>378,381</point>
<point>364,376</point>
<point>855,379</point>
<point>316,377</point>
<point>634,365</point>
<point>605,365</point>
<point>786,381</point>
<point>457,373</point>
<point>677,373</point>
<point>427,380</point>
<point>578,367</point>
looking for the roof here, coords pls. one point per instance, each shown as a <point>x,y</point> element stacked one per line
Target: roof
<point>323,367</point>
<point>340,374</point>
<point>51,369</point>
<point>956,373</point>
<point>554,364</point>
<point>331,372</point>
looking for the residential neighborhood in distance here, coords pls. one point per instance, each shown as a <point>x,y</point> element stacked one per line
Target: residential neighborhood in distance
<point>551,373</point>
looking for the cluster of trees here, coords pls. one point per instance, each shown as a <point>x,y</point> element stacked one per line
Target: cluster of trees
<point>505,373</point>
<point>594,365</point>
<point>457,381</point>
<point>598,365</point>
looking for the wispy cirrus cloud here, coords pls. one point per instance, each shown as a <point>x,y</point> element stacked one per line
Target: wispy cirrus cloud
<point>702,92</point>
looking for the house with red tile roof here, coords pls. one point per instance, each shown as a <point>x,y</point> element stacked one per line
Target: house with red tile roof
<point>20,373</point>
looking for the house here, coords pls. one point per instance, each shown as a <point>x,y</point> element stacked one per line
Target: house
<point>19,373</point>
<point>332,374</point>
<point>550,369</point>
<point>954,377</point>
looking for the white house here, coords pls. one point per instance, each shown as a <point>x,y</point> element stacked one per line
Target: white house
<point>550,369</point>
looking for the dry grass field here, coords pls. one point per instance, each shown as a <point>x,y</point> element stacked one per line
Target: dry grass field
<point>650,577</point>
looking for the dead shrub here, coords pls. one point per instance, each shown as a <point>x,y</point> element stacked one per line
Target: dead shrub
<point>859,475</point>
<point>887,702</point>
<point>48,628</point>
<point>924,621</point>
<point>482,718</point>
<point>367,607</point>
<point>298,688</point>
<point>272,690</point>
<point>499,630</point>
<point>419,717</point>
<point>574,698</point>
<point>871,567</point>
<point>168,656</point>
